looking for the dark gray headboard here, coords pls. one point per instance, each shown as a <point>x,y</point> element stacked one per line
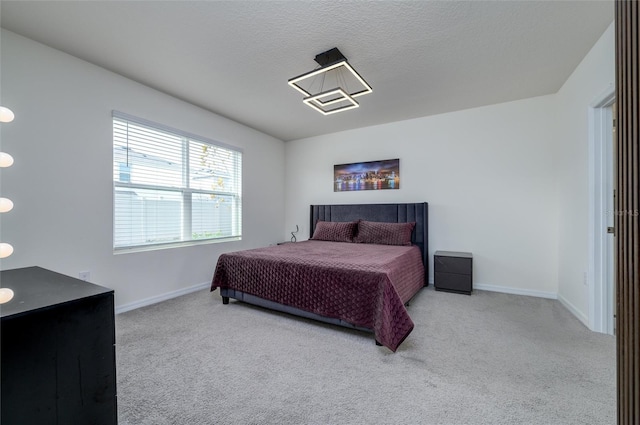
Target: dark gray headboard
<point>394,213</point>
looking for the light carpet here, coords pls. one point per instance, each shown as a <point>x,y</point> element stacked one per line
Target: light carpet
<point>488,358</point>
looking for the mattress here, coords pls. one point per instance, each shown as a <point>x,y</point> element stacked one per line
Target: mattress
<point>365,285</point>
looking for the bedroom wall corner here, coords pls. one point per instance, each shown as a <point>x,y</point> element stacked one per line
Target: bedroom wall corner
<point>62,182</point>
<point>589,80</point>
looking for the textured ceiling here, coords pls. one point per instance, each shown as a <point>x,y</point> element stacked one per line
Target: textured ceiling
<point>234,57</point>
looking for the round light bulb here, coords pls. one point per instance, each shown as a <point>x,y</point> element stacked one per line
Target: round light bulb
<point>6,205</point>
<point>5,295</point>
<point>5,250</point>
<point>6,114</point>
<point>6,160</point>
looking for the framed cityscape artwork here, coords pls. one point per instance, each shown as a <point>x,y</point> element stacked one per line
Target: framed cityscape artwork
<point>372,175</point>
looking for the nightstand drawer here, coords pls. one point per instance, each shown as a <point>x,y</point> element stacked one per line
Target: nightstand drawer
<point>453,282</point>
<point>452,264</point>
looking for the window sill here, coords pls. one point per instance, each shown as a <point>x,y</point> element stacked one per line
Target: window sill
<point>145,248</point>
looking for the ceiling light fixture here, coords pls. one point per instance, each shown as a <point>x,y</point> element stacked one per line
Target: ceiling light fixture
<point>335,70</point>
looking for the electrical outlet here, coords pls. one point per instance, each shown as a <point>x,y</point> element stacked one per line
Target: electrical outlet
<point>585,278</point>
<point>84,276</point>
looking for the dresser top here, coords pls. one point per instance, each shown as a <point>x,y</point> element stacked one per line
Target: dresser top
<point>453,254</point>
<point>37,288</point>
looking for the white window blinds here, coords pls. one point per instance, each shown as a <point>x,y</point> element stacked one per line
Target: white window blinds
<point>170,187</point>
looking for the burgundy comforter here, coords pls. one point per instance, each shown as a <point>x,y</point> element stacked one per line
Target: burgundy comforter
<point>365,285</point>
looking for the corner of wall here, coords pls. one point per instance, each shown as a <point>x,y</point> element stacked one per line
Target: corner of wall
<point>591,77</point>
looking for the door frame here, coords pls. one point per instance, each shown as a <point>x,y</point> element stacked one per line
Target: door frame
<point>601,307</point>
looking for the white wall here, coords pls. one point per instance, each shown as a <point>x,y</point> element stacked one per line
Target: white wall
<point>61,182</point>
<point>594,76</point>
<point>487,174</point>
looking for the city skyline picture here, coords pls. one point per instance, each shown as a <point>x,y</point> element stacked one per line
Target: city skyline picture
<point>371,175</point>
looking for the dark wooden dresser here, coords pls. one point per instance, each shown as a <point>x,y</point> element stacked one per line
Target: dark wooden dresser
<point>58,350</point>
<point>453,271</point>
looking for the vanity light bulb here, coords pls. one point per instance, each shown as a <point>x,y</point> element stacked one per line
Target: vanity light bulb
<point>5,250</point>
<point>6,205</point>
<point>6,295</point>
<point>6,114</point>
<point>6,160</point>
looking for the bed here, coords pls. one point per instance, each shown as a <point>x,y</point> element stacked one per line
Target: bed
<point>340,277</point>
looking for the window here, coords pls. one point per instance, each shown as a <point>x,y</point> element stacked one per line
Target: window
<point>170,187</point>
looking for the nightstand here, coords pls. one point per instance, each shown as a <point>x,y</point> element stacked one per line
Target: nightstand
<point>453,271</point>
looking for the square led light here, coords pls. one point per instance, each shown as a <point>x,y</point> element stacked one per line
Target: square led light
<point>335,96</point>
<point>363,89</point>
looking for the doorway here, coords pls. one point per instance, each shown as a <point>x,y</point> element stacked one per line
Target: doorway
<point>601,273</point>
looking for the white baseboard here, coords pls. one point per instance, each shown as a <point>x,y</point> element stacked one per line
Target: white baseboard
<point>515,291</point>
<point>579,315</point>
<point>509,290</point>
<point>162,297</point>
<point>483,287</point>
<point>533,293</point>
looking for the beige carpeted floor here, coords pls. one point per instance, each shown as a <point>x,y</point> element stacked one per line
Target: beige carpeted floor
<point>489,358</point>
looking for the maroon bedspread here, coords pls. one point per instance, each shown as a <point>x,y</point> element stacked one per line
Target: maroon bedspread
<point>365,285</point>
